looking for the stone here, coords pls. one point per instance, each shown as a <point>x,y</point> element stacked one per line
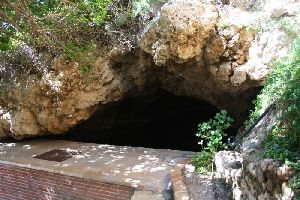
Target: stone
<point>215,49</point>
<point>246,4</point>
<point>181,31</point>
<point>269,185</point>
<point>229,167</point>
<point>25,123</point>
<point>285,173</point>
<point>238,78</point>
<point>267,164</point>
<point>146,195</point>
<point>263,178</point>
<point>287,192</point>
<point>225,71</point>
<point>251,168</point>
<point>260,175</point>
<point>278,12</point>
<point>4,128</point>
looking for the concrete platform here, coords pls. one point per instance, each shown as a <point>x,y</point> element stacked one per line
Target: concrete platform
<point>142,168</point>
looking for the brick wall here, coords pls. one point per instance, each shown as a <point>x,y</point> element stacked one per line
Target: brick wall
<point>29,184</point>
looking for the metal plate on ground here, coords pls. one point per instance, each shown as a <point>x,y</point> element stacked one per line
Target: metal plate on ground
<point>57,155</point>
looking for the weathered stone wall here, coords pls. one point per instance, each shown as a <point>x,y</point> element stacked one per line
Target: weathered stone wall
<point>251,175</point>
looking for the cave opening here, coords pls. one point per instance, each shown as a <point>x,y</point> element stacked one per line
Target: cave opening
<point>159,120</point>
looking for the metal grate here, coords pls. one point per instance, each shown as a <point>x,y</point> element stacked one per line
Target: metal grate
<point>57,155</point>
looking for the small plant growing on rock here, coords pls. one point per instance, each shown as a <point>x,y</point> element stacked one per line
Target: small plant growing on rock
<point>203,162</point>
<point>211,133</point>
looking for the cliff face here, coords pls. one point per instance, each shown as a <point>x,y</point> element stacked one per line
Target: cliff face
<point>210,51</point>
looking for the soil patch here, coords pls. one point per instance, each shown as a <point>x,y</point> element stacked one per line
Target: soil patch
<point>204,187</point>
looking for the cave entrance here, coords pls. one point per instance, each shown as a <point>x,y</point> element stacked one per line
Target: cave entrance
<point>158,120</point>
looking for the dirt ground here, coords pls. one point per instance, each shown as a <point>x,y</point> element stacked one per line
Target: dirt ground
<point>203,187</point>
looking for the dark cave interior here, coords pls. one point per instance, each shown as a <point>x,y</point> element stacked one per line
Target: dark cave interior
<point>158,120</point>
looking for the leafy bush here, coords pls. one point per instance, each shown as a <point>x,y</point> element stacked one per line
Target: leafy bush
<point>203,162</point>
<point>211,134</point>
<point>283,143</point>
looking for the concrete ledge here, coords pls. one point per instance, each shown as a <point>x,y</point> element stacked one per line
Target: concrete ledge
<point>140,168</point>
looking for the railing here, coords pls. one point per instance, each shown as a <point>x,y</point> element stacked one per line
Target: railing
<point>247,132</point>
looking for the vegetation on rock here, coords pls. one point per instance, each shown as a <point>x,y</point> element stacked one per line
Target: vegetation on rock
<point>282,87</point>
<point>74,28</point>
<point>211,134</point>
<point>51,24</point>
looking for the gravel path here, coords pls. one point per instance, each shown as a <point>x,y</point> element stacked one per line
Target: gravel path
<point>203,187</point>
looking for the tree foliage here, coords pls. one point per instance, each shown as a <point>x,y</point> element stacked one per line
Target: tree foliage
<point>51,24</point>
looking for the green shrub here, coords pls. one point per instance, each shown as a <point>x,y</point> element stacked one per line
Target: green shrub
<point>211,134</point>
<point>277,146</point>
<point>203,162</point>
<point>83,55</point>
<point>283,143</point>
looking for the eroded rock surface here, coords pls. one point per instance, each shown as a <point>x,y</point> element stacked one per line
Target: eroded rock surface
<point>4,128</point>
<point>181,31</point>
<point>4,124</point>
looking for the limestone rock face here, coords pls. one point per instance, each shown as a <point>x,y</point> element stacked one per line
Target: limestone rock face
<point>63,96</point>
<point>212,49</point>
<point>4,124</point>
<point>198,49</point>
<point>258,178</point>
<point>4,128</point>
<point>181,31</point>
<point>24,122</point>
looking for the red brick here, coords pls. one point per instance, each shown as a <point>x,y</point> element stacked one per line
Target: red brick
<point>25,183</point>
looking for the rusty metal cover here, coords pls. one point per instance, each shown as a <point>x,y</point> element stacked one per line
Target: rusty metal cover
<point>57,155</point>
